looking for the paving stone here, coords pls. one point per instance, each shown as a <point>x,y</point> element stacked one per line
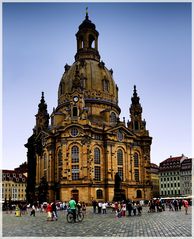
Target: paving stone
<point>163,224</point>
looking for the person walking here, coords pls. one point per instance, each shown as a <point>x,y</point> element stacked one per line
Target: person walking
<point>49,212</point>
<point>123,209</point>
<point>79,206</point>
<point>129,207</point>
<point>84,207</point>
<point>134,208</point>
<point>175,204</point>
<point>180,204</point>
<point>94,204</point>
<point>72,205</point>
<point>33,211</point>
<point>54,211</point>
<point>139,208</point>
<point>116,207</point>
<point>99,207</point>
<point>103,208</point>
<point>186,205</point>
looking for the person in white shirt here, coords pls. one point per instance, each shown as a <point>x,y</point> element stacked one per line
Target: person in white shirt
<point>104,208</point>
<point>99,207</point>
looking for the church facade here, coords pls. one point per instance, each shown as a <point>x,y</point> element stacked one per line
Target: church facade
<point>78,153</point>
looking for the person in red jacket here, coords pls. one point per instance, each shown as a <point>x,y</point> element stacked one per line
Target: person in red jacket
<point>49,212</point>
<point>186,205</point>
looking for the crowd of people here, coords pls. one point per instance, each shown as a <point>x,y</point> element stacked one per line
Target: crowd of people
<point>120,208</point>
<point>158,205</point>
<point>50,208</point>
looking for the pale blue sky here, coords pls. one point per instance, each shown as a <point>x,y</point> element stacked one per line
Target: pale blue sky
<point>146,44</point>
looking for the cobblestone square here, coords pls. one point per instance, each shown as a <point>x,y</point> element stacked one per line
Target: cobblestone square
<point>162,224</point>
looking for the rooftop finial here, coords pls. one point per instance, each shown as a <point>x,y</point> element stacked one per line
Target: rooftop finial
<point>86,12</point>
<point>134,91</point>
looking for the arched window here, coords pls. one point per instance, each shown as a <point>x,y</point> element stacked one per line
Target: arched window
<point>99,194</point>
<point>75,162</point>
<point>136,160</point>
<point>139,194</point>
<point>81,42</point>
<point>120,162</point>
<point>97,156</point>
<point>120,157</point>
<point>91,41</point>
<point>75,154</point>
<point>113,117</point>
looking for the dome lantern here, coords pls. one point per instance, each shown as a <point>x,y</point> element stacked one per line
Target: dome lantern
<point>87,41</point>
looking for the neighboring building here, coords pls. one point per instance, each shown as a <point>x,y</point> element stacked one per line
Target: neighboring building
<point>13,186</point>
<point>169,174</point>
<point>86,144</point>
<point>155,180</point>
<point>23,168</point>
<point>186,177</point>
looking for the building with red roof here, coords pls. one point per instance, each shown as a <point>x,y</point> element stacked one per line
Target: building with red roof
<point>13,185</point>
<point>169,176</point>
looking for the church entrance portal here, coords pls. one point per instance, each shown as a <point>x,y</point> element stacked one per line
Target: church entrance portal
<point>75,194</point>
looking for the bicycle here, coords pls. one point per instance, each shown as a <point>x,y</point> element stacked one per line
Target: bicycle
<point>79,216</point>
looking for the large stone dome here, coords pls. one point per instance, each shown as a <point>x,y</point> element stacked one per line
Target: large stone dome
<point>94,78</point>
<point>88,73</point>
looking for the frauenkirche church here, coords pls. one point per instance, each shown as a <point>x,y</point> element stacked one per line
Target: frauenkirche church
<point>78,149</point>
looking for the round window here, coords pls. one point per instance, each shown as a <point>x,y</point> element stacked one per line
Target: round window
<point>74,132</point>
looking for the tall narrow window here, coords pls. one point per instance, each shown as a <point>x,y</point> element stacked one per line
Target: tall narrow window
<point>113,117</point>
<point>74,111</point>
<point>120,157</point>
<point>75,154</point>
<point>75,162</point>
<point>120,162</point>
<point>139,194</point>
<point>97,156</point>
<point>97,173</point>
<point>136,160</point>
<point>81,43</point>
<point>137,175</point>
<point>91,41</point>
<point>75,172</point>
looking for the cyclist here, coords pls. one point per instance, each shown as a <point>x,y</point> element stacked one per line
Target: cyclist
<point>72,205</point>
